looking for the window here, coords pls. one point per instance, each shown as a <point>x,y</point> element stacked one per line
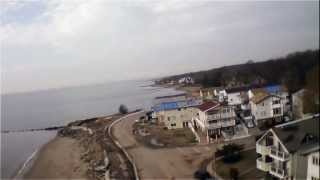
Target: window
<point>276,102</point>
<point>314,178</point>
<point>168,118</point>
<point>315,160</point>
<point>276,111</point>
<point>173,124</point>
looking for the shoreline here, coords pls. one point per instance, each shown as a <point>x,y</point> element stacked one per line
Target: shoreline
<point>27,164</point>
<point>78,151</point>
<point>56,159</point>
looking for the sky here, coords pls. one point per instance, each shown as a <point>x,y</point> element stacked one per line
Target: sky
<point>57,43</point>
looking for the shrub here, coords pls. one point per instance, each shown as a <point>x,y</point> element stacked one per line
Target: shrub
<point>123,109</point>
<point>230,153</point>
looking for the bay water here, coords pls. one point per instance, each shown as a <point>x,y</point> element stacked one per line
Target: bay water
<point>57,107</point>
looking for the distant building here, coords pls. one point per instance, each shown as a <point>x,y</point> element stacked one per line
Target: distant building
<point>214,119</point>
<point>186,80</point>
<point>291,150</point>
<point>175,111</point>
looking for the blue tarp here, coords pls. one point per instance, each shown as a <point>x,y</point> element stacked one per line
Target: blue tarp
<point>174,105</point>
<point>273,89</point>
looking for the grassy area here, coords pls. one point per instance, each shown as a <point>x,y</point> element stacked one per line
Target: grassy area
<point>246,166</point>
<point>169,138</point>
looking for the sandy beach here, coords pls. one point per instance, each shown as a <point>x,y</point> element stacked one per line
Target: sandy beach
<point>60,158</point>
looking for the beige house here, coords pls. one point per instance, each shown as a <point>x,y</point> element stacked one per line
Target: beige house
<point>175,111</point>
<point>177,118</point>
<point>289,151</point>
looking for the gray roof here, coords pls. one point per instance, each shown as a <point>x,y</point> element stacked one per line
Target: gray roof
<point>299,135</point>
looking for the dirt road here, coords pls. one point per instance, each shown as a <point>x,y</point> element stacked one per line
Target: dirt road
<point>166,163</point>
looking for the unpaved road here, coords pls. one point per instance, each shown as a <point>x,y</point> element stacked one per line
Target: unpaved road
<point>166,163</point>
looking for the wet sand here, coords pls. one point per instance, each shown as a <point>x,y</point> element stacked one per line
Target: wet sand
<point>60,158</point>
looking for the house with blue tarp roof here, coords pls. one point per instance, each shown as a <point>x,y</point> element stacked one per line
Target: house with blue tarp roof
<point>175,111</point>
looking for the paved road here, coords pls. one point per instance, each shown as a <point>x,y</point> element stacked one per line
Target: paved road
<point>166,163</point>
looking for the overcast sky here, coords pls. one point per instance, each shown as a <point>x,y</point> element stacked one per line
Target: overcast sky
<point>56,43</point>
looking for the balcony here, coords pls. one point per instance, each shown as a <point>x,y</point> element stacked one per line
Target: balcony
<point>279,155</point>
<point>214,126</point>
<point>278,171</point>
<point>221,116</point>
<point>228,123</point>
<point>263,149</point>
<point>262,165</point>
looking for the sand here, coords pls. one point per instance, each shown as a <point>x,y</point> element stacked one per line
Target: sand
<point>60,158</point>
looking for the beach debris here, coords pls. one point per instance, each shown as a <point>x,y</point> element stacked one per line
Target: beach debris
<point>74,131</point>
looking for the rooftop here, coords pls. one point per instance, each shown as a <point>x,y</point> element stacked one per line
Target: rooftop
<point>298,135</point>
<point>261,94</point>
<point>207,105</point>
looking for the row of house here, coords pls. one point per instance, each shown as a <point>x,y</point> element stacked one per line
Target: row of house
<point>286,151</point>
<point>182,111</point>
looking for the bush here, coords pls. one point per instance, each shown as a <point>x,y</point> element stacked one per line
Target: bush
<point>123,109</point>
<point>234,173</point>
<point>230,153</point>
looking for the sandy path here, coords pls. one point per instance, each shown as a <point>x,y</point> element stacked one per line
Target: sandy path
<point>60,158</point>
<point>162,163</point>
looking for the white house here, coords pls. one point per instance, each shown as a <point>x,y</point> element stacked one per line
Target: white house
<point>291,150</point>
<point>222,96</point>
<point>235,95</point>
<point>213,119</point>
<point>266,106</point>
<point>282,92</point>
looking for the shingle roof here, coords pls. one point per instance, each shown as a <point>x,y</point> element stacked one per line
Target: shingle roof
<point>207,105</point>
<point>293,136</point>
<point>260,95</point>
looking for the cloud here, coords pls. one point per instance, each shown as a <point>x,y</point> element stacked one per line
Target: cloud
<point>78,42</point>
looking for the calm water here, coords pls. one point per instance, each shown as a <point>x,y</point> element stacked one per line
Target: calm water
<point>58,107</point>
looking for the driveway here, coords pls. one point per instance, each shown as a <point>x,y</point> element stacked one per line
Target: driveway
<point>179,162</point>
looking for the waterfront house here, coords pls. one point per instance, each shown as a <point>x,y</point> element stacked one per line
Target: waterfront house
<point>282,92</point>
<point>215,119</point>
<point>175,111</point>
<point>265,107</point>
<point>290,150</point>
